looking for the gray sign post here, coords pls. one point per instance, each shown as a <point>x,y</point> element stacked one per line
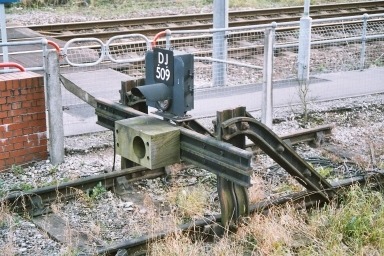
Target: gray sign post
<point>267,95</point>
<point>220,20</point>
<point>304,46</point>
<point>55,109</point>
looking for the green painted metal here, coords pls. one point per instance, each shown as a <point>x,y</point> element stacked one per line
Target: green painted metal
<point>279,151</point>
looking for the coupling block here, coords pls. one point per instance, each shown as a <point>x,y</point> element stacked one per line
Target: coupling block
<point>148,141</point>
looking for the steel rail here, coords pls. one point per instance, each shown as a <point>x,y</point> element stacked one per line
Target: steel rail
<point>36,202</point>
<point>295,10</point>
<point>206,226</point>
<point>203,26</point>
<point>315,135</point>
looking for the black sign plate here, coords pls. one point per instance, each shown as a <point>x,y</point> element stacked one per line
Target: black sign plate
<point>163,64</point>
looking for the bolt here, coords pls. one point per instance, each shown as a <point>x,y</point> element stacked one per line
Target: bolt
<point>307,173</point>
<point>244,126</point>
<point>280,149</point>
<point>226,137</point>
<point>232,129</point>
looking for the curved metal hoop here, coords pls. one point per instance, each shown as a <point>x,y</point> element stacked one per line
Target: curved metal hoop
<point>77,40</point>
<point>109,43</point>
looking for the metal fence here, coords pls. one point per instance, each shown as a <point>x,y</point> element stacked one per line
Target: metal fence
<point>41,49</point>
<point>336,45</point>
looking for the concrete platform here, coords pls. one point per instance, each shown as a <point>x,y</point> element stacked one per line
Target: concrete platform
<point>325,87</point>
<point>79,116</point>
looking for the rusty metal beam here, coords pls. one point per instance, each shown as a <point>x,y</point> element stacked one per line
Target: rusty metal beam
<point>216,156</point>
<point>279,151</point>
<point>108,112</point>
<point>77,91</point>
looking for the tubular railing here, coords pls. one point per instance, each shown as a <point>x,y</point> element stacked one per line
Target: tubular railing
<point>105,51</point>
<point>44,44</point>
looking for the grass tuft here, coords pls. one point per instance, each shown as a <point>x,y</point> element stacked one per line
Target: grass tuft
<point>352,225</point>
<point>190,202</point>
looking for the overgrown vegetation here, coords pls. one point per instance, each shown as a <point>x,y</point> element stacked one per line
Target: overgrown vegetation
<point>190,201</point>
<point>17,169</point>
<point>350,226</point>
<point>97,192</point>
<point>304,94</point>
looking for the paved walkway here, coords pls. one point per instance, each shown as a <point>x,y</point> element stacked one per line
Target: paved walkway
<point>81,119</point>
<point>326,87</point>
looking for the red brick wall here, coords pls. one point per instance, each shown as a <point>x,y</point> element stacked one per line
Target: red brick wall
<point>23,132</point>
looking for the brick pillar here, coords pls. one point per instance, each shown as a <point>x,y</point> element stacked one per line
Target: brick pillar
<point>23,131</point>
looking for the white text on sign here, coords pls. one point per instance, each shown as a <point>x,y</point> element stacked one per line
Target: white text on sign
<point>162,72</point>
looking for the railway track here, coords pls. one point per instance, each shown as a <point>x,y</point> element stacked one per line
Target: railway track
<point>36,203</point>
<point>151,26</point>
<point>209,227</point>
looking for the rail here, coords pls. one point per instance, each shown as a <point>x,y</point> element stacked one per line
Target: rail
<point>237,18</point>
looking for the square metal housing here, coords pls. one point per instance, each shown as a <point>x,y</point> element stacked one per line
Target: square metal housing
<point>148,141</point>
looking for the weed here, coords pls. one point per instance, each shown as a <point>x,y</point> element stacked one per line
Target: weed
<point>50,183</point>
<point>379,61</point>
<point>17,220</point>
<point>324,171</point>
<point>69,251</point>
<point>321,68</point>
<point>97,192</point>
<point>288,187</point>
<point>190,202</point>
<point>357,223</point>
<point>66,179</point>
<point>22,186</point>
<point>177,245</point>
<point>25,186</point>
<point>303,92</point>
<point>2,189</point>
<point>53,170</point>
<point>17,169</point>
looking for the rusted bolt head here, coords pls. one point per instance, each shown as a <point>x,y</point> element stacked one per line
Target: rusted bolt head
<point>232,129</point>
<point>307,173</point>
<point>280,149</point>
<point>244,126</point>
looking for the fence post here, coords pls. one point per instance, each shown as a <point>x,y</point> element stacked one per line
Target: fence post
<point>304,46</point>
<point>267,97</point>
<point>55,111</point>
<point>220,20</point>
<point>3,27</point>
<point>363,40</point>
